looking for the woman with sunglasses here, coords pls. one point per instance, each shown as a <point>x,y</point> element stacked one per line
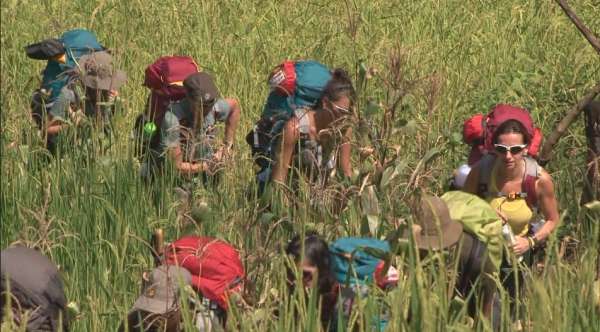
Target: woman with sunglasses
<point>329,111</point>
<point>507,173</point>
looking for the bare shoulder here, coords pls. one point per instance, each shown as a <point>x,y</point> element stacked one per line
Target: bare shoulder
<point>545,180</point>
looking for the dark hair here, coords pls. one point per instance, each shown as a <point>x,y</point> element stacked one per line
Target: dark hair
<point>316,252</point>
<point>338,86</point>
<point>511,126</point>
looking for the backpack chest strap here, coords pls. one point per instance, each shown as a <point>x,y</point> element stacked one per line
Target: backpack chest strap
<point>509,195</point>
<point>528,186</point>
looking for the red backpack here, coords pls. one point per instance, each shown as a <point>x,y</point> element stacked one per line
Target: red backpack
<point>165,79</point>
<point>215,266</point>
<point>478,131</point>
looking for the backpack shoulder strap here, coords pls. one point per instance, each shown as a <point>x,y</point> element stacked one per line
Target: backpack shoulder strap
<point>301,115</point>
<point>485,165</point>
<point>532,174</point>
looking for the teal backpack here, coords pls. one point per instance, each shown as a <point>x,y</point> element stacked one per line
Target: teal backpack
<point>355,268</point>
<point>75,43</point>
<point>295,85</point>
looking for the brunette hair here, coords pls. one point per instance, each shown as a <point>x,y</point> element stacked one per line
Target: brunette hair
<point>339,85</point>
<point>316,252</point>
<point>511,126</point>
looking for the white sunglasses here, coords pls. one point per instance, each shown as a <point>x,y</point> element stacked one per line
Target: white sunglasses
<point>514,149</point>
<point>341,109</point>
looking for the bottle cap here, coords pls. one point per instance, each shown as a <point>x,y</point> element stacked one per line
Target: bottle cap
<point>149,130</point>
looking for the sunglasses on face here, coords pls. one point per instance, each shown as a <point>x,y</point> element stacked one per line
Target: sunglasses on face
<point>515,149</point>
<point>341,109</point>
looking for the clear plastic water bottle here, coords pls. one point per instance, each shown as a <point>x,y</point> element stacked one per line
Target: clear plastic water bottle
<point>510,238</point>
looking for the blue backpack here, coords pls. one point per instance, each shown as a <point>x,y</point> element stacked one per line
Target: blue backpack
<point>60,61</point>
<point>355,268</point>
<point>299,86</point>
<point>363,266</point>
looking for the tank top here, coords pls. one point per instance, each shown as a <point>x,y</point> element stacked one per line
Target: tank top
<point>516,210</point>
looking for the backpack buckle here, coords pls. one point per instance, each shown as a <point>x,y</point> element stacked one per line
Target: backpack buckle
<point>512,195</point>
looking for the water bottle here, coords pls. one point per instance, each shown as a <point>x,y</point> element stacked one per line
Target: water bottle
<point>510,238</point>
<point>149,131</point>
<point>461,176</point>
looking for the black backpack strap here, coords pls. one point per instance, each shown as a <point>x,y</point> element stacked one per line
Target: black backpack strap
<point>485,165</point>
<point>472,268</point>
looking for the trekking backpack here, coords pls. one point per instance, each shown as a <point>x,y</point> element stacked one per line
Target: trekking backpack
<point>165,80</point>
<point>295,87</point>
<point>479,219</point>
<point>62,55</point>
<point>215,266</point>
<point>355,268</point>
<point>479,129</point>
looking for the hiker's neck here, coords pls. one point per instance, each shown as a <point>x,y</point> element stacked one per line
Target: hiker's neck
<point>512,174</point>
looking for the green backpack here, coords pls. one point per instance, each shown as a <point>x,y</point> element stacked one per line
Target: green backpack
<point>479,219</point>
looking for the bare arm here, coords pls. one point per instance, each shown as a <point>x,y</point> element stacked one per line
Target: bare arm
<point>53,127</point>
<point>548,205</point>
<point>345,152</point>
<point>232,120</point>
<point>285,150</point>
<point>184,168</point>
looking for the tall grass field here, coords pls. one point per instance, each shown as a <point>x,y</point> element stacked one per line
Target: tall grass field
<point>420,69</point>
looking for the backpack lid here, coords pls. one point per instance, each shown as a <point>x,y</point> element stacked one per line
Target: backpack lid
<point>311,79</point>
<point>215,265</point>
<point>364,265</point>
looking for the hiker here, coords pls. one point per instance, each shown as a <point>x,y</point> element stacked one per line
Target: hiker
<point>213,270</point>
<point>314,268</point>
<point>160,306</point>
<point>189,127</point>
<point>61,55</point>
<point>101,83</point>
<point>34,285</point>
<point>329,268</point>
<point>515,185</point>
<point>217,274</point>
<point>308,141</point>
<point>333,105</point>
<point>468,253</point>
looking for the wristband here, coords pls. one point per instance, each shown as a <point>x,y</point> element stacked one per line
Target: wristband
<point>531,242</point>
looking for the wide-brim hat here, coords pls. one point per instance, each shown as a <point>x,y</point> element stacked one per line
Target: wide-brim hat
<point>99,71</point>
<point>437,228</point>
<point>162,292</point>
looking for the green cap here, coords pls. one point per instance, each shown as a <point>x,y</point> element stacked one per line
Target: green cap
<point>149,129</point>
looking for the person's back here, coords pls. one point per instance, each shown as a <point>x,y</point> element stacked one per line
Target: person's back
<point>470,254</point>
<point>33,281</point>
